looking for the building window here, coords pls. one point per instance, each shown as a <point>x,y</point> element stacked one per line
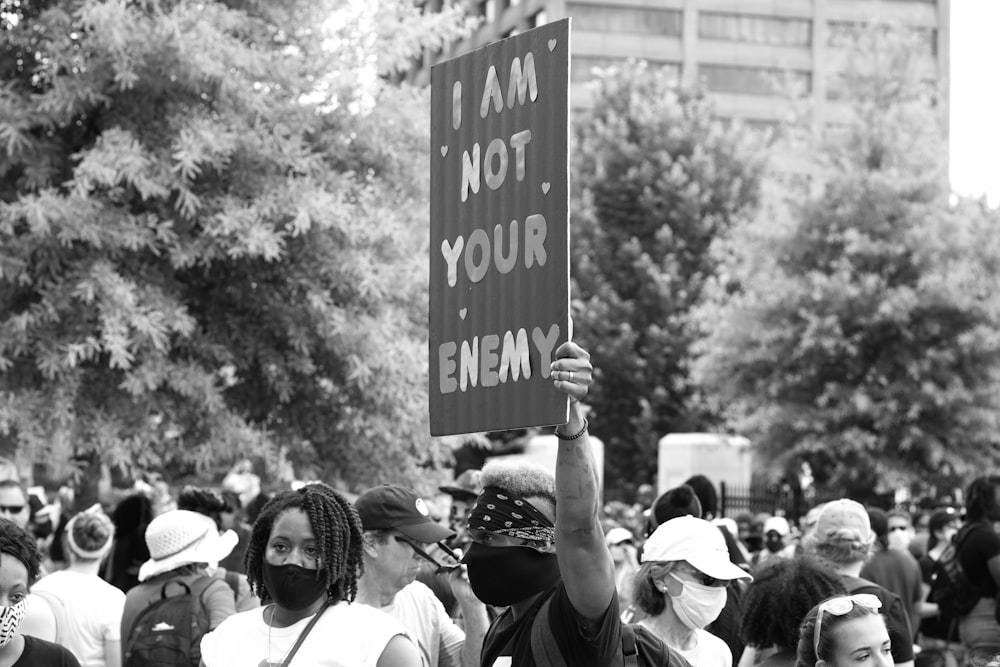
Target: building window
<point>581,68</point>
<point>599,18</point>
<point>754,80</point>
<point>754,29</point>
<point>844,34</point>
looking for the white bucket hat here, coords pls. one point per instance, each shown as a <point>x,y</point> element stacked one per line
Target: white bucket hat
<point>181,537</point>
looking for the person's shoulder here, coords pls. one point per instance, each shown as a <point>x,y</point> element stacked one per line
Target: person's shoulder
<point>42,653</point>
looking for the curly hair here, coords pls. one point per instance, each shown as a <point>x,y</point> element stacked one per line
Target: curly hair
<point>806,654</point>
<point>981,497</point>
<point>782,593</point>
<point>521,478</point>
<point>338,532</point>
<point>17,542</point>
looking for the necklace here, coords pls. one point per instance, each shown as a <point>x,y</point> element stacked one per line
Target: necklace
<point>266,662</point>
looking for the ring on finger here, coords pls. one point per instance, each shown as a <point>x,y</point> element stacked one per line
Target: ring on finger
<point>571,376</point>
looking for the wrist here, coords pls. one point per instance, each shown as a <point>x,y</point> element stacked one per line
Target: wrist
<point>570,430</point>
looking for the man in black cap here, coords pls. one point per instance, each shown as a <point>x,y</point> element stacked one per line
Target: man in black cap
<point>398,533</point>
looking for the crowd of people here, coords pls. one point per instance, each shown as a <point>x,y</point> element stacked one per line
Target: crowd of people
<point>526,569</point>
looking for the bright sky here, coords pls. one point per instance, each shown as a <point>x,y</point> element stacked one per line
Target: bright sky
<point>975,98</point>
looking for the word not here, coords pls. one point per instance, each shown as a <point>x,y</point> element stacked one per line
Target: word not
<point>480,364</point>
<point>478,249</point>
<point>494,176</point>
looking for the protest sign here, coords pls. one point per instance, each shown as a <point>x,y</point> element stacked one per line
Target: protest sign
<point>499,239</point>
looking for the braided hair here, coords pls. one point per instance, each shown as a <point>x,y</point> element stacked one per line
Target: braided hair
<point>339,539</point>
<point>981,497</point>
<point>782,593</point>
<point>17,542</point>
<point>204,501</point>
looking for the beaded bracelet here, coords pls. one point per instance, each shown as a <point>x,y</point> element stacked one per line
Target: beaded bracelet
<point>576,436</point>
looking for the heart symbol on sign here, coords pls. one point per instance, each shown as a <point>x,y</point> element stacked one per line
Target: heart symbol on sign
<point>444,151</point>
<point>462,313</point>
<point>552,44</point>
<point>545,188</point>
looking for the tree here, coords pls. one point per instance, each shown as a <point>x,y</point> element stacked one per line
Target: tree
<point>211,235</point>
<point>856,328</point>
<point>656,180</point>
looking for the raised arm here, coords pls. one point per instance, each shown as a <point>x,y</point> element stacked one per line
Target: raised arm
<point>584,560</point>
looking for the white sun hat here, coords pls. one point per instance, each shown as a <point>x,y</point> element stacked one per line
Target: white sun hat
<point>180,537</point>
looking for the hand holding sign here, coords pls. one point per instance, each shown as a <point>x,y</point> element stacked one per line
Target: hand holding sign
<point>572,371</point>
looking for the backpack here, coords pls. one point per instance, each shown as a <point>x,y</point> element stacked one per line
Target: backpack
<point>950,586</point>
<point>168,632</point>
<point>640,647</point>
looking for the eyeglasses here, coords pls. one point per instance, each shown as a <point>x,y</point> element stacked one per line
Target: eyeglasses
<point>701,577</point>
<point>838,607</point>
<point>12,509</point>
<point>441,567</point>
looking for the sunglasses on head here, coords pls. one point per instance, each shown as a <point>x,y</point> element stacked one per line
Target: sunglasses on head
<point>441,568</point>
<point>839,606</point>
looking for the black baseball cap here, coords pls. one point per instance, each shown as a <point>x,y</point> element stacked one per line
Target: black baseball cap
<point>393,507</point>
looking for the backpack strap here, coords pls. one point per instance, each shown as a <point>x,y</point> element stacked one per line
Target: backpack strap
<point>544,648</point>
<point>630,652</point>
<point>58,612</point>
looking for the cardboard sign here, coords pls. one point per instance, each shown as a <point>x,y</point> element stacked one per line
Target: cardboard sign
<point>499,252</point>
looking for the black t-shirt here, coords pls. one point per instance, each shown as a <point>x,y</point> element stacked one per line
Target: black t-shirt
<point>894,612</point>
<point>508,642</point>
<point>40,653</point>
<point>977,544</point>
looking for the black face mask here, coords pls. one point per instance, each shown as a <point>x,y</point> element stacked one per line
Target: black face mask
<point>294,588</point>
<point>501,576</point>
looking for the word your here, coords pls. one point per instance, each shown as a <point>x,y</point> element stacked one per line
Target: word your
<point>478,249</point>
<point>486,362</point>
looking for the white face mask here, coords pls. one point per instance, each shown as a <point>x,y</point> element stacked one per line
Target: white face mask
<point>10,621</point>
<point>698,605</point>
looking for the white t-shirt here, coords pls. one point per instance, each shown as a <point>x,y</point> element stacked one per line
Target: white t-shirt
<point>708,651</point>
<point>440,641</point>
<point>346,635</point>
<point>92,610</point>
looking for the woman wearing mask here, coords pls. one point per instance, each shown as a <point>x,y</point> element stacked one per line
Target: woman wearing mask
<point>681,585</point>
<point>303,561</point>
<point>845,631</point>
<point>20,561</point>
<point>88,609</point>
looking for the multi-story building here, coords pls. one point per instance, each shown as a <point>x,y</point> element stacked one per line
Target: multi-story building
<point>747,53</point>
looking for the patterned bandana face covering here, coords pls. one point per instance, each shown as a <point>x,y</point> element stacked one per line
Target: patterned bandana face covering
<point>497,511</point>
<point>10,621</point>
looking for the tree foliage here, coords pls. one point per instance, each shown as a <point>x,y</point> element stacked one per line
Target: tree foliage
<point>656,180</point>
<point>856,326</point>
<point>212,234</point>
